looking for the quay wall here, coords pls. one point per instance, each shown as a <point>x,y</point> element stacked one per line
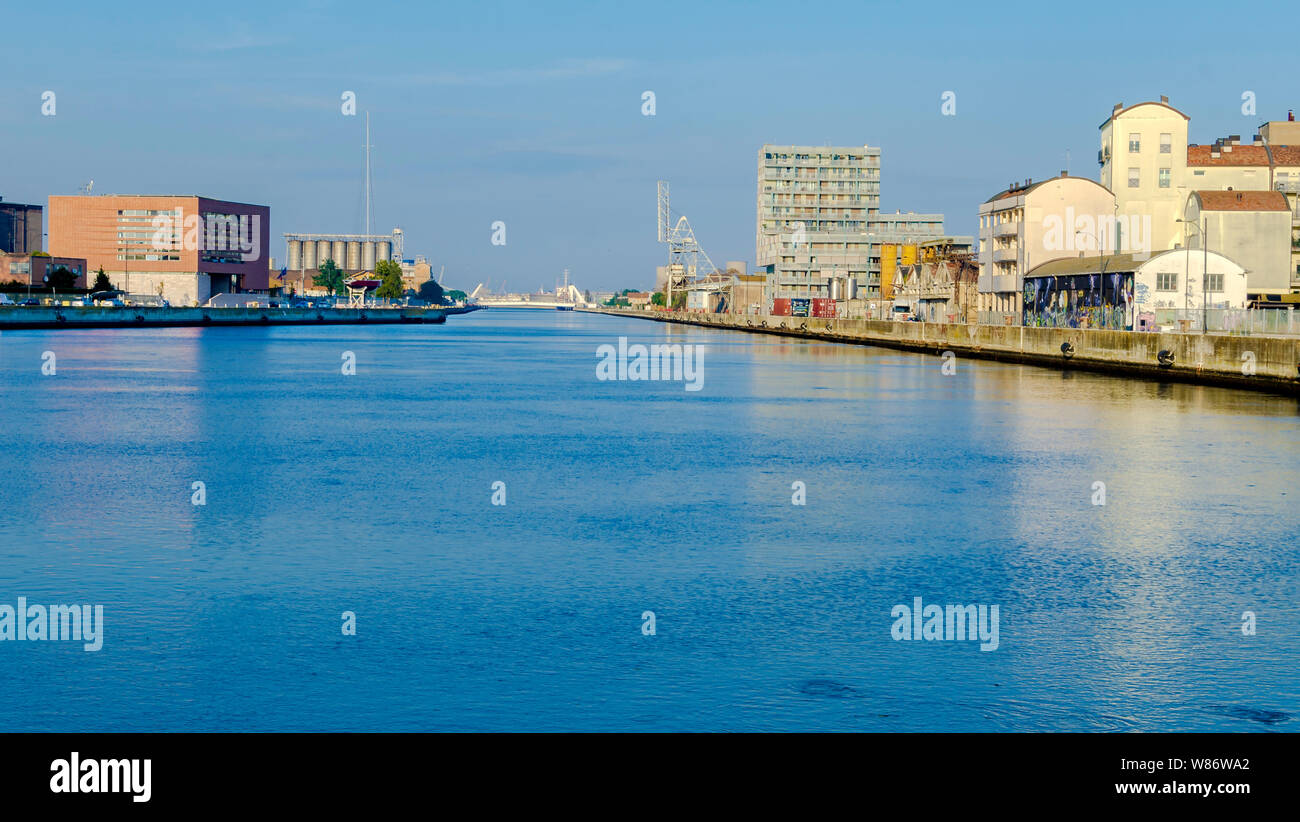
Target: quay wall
<point>146,317</point>
<point>1210,359</point>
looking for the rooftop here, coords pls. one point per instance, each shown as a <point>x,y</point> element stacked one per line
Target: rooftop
<point>1242,200</point>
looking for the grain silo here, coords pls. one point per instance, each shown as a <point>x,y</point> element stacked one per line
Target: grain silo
<point>323,251</point>
<point>295,255</point>
<point>383,250</point>
<point>368,256</point>
<point>354,256</point>
<point>308,254</point>
<point>338,253</point>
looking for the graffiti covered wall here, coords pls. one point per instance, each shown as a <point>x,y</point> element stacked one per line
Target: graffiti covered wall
<point>1080,301</point>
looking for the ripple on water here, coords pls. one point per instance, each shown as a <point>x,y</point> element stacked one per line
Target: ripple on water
<point>827,689</point>
<point>1246,712</point>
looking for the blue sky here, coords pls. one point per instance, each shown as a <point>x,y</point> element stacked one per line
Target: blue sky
<point>531,113</point>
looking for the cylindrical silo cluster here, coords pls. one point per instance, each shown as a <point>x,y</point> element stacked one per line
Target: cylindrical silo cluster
<point>338,253</point>
<point>368,256</point>
<point>323,252</point>
<point>354,256</point>
<point>308,254</point>
<point>295,255</point>
<point>383,250</point>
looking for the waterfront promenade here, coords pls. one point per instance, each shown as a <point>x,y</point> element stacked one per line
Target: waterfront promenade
<point>1262,363</point>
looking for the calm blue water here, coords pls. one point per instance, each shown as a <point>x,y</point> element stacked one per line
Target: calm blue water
<point>372,493</point>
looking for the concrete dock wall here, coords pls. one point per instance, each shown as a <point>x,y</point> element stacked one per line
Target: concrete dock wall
<point>1253,362</point>
<point>88,317</point>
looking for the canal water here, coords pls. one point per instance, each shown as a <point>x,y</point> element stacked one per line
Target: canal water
<point>372,493</point>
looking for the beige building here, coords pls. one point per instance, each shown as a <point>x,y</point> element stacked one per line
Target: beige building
<point>1026,225</point>
<point>1143,161</point>
<point>1147,161</point>
<point>1258,166</point>
<point>1252,228</point>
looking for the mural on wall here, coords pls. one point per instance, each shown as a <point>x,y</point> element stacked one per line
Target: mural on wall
<point>1080,301</point>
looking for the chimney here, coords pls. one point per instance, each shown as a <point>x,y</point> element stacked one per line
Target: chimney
<point>1164,99</point>
<point>1290,116</point>
<point>1214,151</point>
<point>1235,139</point>
<point>1065,173</point>
<point>1258,140</point>
<point>1029,181</point>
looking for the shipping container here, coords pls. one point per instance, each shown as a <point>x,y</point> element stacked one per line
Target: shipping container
<point>781,307</point>
<point>823,308</point>
<point>799,307</point>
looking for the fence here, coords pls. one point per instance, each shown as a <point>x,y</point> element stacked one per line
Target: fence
<point>1240,321</point>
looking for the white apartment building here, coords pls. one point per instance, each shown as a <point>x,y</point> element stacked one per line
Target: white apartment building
<point>818,219</point>
<point>1026,225</point>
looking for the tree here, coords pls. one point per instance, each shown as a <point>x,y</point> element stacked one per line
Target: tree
<point>431,292</point>
<point>679,300</point>
<point>102,282</point>
<point>456,296</point>
<point>62,278</point>
<point>657,298</point>
<point>391,273</point>
<point>329,277</point>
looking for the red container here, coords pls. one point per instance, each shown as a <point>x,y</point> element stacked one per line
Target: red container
<point>781,307</point>
<point>824,308</point>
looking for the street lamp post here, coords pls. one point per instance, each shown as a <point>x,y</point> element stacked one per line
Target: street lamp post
<point>1102,252</point>
<point>1204,229</point>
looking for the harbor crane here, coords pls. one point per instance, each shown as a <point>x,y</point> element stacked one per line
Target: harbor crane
<point>687,261</point>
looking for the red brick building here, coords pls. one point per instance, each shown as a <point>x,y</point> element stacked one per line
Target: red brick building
<point>185,248</point>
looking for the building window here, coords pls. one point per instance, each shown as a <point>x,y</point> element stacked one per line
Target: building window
<point>1133,178</point>
<point>1213,282</point>
<point>1166,281</point>
<point>1166,144</point>
<point>1164,178</point>
<point>1134,143</point>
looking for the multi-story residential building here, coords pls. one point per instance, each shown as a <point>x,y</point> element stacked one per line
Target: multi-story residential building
<point>1143,161</point>
<point>818,219</point>
<point>1028,224</point>
<point>20,228</point>
<point>183,248</point>
<point>1146,160</point>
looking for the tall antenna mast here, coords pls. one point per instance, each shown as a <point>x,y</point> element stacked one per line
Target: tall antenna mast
<point>368,147</point>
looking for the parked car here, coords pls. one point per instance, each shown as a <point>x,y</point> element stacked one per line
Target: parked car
<point>4,300</point>
<point>31,301</point>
